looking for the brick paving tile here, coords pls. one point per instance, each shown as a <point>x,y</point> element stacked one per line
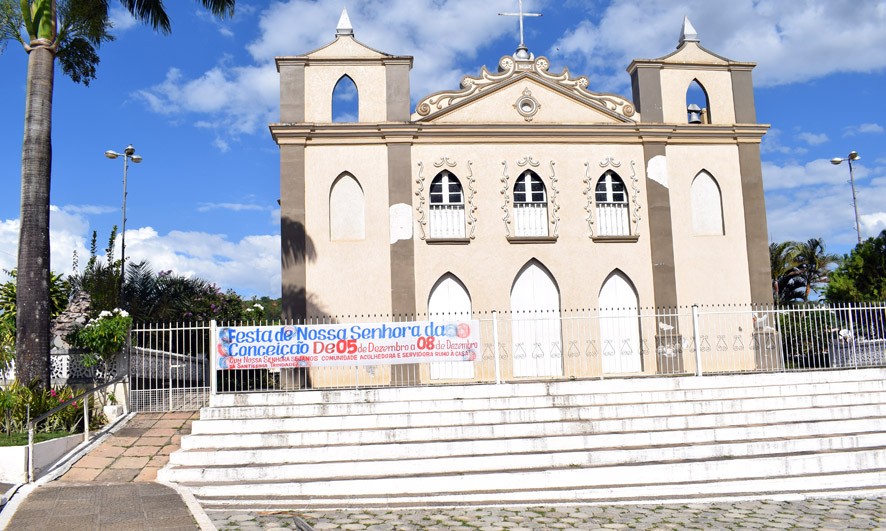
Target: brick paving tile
<point>160,432</point>
<point>121,441</point>
<point>81,474</point>
<point>118,475</point>
<point>141,451</point>
<point>130,462</point>
<point>169,423</point>
<point>108,450</point>
<point>151,441</point>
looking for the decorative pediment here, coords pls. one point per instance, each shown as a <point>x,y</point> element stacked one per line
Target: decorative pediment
<point>508,69</point>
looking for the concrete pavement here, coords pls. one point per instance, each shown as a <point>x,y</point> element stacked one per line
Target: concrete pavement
<point>112,486</point>
<point>819,514</point>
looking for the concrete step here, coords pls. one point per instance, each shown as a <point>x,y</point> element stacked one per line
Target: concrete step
<point>269,422</point>
<point>239,456</point>
<point>527,402</point>
<point>662,475</point>
<point>518,463</point>
<point>580,387</point>
<point>267,437</point>
<point>860,483</point>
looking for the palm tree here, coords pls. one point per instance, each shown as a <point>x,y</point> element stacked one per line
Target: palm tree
<point>814,264</point>
<point>70,30</point>
<point>787,284</point>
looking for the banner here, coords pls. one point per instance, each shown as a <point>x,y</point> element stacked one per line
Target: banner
<point>289,346</point>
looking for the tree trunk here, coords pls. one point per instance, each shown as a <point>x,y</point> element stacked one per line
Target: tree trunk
<point>32,341</point>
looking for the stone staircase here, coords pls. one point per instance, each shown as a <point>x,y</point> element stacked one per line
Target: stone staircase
<point>606,441</point>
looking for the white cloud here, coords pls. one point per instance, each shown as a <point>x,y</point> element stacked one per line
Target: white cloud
<point>121,20</point>
<point>89,209</point>
<point>250,266</point>
<point>813,139</point>
<point>243,99</point>
<point>772,144</point>
<point>816,172</point>
<point>236,207</point>
<point>873,224</point>
<point>791,42</point>
<point>862,129</point>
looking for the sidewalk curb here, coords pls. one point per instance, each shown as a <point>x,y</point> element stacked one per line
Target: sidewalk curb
<point>196,509</point>
<point>20,492</point>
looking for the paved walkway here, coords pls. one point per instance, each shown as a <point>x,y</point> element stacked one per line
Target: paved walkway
<point>819,514</point>
<point>112,487</point>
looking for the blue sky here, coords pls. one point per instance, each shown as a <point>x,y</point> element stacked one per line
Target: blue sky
<point>196,106</point>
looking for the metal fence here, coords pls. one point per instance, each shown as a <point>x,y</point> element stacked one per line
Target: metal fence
<point>170,364</point>
<point>616,342</point>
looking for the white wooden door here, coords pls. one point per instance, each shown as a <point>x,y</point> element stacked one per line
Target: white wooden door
<point>536,339</point>
<point>449,301</point>
<point>619,326</point>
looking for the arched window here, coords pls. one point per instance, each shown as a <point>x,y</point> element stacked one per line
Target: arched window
<point>707,205</point>
<point>698,106</point>
<point>345,100</point>
<point>535,326</point>
<point>449,301</point>
<point>447,213</point>
<point>620,325</point>
<point>347,219</point>
<point>611,197</point>
<point>530,205</point>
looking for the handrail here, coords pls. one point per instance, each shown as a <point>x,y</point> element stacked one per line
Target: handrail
<point>33,423</point>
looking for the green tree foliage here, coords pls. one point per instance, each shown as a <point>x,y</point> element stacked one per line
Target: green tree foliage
<point>815,265</point>
<point>100,278</point>
<point>70,31</point>
<point>58,293</point>
<point>798,269</point>
<point>861,276</point>
<point>165,296</point>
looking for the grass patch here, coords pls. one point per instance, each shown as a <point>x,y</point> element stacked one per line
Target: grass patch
<point>21,438</point>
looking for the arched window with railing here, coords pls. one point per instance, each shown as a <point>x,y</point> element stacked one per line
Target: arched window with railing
<point>530,205</point>
<point>446,218</point>
<point>611,196</point>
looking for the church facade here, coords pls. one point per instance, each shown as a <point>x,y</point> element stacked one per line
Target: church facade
<point>521,191</point>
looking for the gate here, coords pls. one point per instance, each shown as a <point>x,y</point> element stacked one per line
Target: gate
<point>169,367</point>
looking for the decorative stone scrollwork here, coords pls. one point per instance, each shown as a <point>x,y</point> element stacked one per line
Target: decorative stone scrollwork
<point>589,194</point>
<point>610,161</point>
<point>420,193</point>
<point>508,68</point>
<point>635,200</point>
<point>444,161</point>
<point>555,206</point>
<point>530,161</point>
<point>526,105</point>
<point>505,191</point>
<point>472,208</point>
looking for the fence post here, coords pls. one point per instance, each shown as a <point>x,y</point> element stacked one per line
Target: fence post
<point>86,418</point>
<point>213,364</point>
<point>30,445</point>
<point>495,347</point>
<point>698,371</point>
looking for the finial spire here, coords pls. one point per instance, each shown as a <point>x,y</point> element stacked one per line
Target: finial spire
<point>688,34</point>
<point>522,47</point>
<point>344,24</point>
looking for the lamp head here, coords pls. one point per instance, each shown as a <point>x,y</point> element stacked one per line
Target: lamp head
<point>836,160</point>
<point>136,158</point>
<point>129,150</point>
<point>853,155</point>
<point>111,154</point>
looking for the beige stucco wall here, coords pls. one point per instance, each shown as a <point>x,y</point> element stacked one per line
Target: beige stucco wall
<point>717,84</point>
<point>348,277</point>
<point>370,81</point>
<point>710,269</point>
<point>489,264</point>
<point>498,107</point>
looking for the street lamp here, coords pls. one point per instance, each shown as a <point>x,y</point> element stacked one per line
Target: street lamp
<point>128,154</point>
<point>852,157</point>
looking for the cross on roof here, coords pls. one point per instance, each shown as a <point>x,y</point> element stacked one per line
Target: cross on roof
<point>520,14</point>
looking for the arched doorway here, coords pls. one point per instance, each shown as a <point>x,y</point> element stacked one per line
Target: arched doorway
<point>536,337</point>
<point>620,325</point>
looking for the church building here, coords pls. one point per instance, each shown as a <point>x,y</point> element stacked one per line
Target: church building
<point>521,191</point>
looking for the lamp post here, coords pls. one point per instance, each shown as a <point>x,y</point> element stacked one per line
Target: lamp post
<point>128,154</point>
<point>852,157</point>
